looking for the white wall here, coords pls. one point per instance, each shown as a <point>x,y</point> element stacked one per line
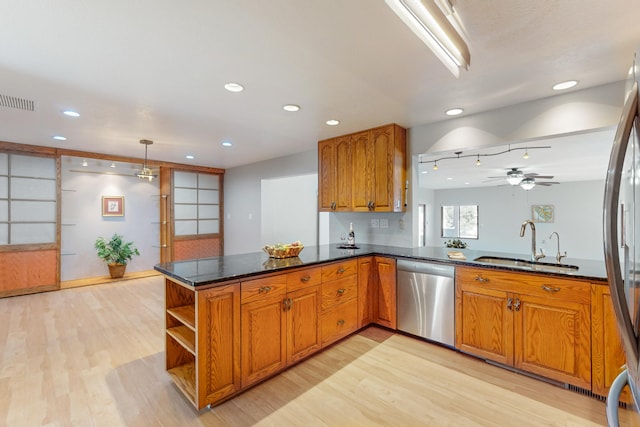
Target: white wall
<point>577,209</point>
<point>292,210</point>
<point>82,220</point>
<point>243,198</point>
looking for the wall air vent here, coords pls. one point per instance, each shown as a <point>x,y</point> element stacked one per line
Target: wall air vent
<point>14,102</point>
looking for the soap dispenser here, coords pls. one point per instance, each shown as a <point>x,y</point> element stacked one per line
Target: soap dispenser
<point>351,240</point>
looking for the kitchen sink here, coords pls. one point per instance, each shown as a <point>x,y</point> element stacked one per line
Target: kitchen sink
<point>530,265</point>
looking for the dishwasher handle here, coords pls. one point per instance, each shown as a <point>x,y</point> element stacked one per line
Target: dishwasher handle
<point>432,269</point>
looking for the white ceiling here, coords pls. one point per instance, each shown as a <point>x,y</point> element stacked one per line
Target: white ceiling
<point>155,69</point>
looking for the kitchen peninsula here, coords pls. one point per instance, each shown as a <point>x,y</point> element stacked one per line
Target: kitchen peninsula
<point>233,321</point>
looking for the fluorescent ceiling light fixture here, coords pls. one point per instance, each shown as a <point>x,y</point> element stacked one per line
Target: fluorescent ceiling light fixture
<point>226,143</point>
<point>234,87</point>
<point>565,85</point>
<point>291,107</point>
<point>59,138</point>
<point>189,156</point>
<point>71,113</point>
<point>428,22</point>
<point>333,122</point>
<point>454,111</point>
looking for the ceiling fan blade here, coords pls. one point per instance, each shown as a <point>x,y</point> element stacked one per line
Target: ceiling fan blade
<point>547,183</point>
<point>535,175</point>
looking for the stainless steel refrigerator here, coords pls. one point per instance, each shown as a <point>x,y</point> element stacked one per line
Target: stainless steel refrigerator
<point>622,240</point>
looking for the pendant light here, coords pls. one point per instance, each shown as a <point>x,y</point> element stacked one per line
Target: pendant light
<point>146,172</point>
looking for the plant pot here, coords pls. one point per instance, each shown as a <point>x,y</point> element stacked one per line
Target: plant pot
<point>117,270</point>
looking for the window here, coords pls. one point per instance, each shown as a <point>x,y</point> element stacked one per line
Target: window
<point>28,199</point>
<point>196,203</point>
<point>460,221</point>
<point>422,225</point>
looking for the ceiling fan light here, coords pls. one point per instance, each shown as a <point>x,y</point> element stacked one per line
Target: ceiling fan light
<point>528,183</point>
<point>514,176</point>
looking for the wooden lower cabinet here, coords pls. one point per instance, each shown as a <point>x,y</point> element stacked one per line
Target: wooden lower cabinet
<point>539,324</point>
<point>203,341</point>
<point>339,316</point>
<point>377,291</point>
<point>303,323</point>
<point>607,356</point>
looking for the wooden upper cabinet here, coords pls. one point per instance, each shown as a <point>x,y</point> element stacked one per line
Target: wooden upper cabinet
<point>369,171</point>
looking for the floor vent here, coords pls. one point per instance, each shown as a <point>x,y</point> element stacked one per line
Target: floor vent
<point>591,394</point>
<point>18,103</point>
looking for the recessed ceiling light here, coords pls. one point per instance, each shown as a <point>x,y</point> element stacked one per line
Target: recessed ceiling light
<point>565,85</point>
<point>226,143</point>
<point>84,163</point>
<point>189,156</point>
<point>333,122</point>
<point>113,165</point>
<point>59,138</point>
<point>449,179</point>
<point>454,111</point>
<point>71,113</point>
<point>234,87</point>
<point>291,107</point>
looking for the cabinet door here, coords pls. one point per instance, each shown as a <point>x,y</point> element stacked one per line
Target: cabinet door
<point>484,323</point>
<point>361,159</point>
<point>552,338</point>
<point>218,344</point>
<point>607,354</point>
<point>385,269</point>
<point>343,171</point>
<point>327,175</point>
<point>366,291</point>
<point>264,339</point>
<point>382,145</point>
<point>303,323</point>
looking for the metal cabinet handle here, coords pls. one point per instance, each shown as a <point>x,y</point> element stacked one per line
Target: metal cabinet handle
<point>264,289</point>
<point>510,304</point>
<point>287,303</point>
<point>516,305</point>
<point>481,279</point>
<point>340,322</point>
<point>305,278</point>
<point>333,206</point>
<point>341,291</point>
<point>341,270</point>
<point>549,288</point>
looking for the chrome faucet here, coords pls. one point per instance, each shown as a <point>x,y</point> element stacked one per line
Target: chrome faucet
<point>559,256</point>
<point>534,256</point>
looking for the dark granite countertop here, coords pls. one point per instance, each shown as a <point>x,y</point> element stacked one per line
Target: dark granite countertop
<point>208,271</point>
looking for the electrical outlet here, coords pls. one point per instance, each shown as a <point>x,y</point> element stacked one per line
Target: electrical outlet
<point>375,223</point>
<point>384,223</point>
<point>401,223</point>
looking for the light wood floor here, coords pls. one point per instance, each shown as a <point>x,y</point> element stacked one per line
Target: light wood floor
<point>94,356</point>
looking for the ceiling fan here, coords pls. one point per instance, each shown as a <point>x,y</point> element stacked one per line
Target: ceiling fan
<point>526,180</point>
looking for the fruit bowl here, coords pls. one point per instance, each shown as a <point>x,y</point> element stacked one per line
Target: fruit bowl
<point>280,250</point>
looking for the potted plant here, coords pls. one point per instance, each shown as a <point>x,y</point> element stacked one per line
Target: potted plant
<point>116,253</point>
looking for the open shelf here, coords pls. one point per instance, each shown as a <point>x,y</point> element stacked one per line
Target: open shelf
<point>185,314</point>
<point>184,376</point>
<point>185,337</point>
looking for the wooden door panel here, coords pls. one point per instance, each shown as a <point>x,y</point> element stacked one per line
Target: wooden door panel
<point>327,177</point>
<point>343,172</point>
<point>383,152</point>
<point>361,175</point>
<point>386,292</point>
<point>553,339</point>
<point>263,339</point>
<point>484,324</point>
<point>303,321</point>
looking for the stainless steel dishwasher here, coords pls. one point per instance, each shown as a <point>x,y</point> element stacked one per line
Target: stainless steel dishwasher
<point>426,300</point>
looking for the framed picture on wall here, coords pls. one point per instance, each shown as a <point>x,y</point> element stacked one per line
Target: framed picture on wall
<point>542,213</point>
<point>112,205</point>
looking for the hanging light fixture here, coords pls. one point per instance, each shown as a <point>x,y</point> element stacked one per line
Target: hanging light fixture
<point>435,165</point>
<point>478,163</point>
<point>528,183</point>
<point>146,172</point>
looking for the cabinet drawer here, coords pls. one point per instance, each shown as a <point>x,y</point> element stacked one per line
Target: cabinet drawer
<point>254,290</point>
<point>303,278</point>
<point>339,270</point>
<point>339,291</point>
<point>529,284</point>
<point>339,321</point>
